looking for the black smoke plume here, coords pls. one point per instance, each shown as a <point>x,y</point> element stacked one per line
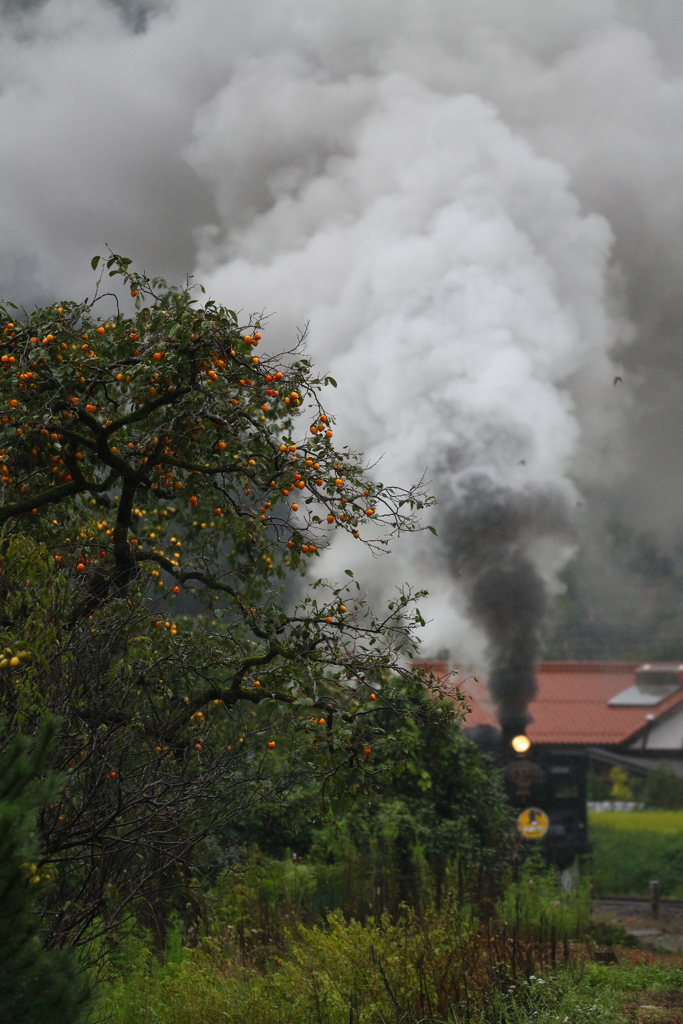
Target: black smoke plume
<point>488,532</point>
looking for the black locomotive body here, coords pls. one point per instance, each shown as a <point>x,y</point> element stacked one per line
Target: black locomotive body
<point>552,779</point>
<point>549,779</point>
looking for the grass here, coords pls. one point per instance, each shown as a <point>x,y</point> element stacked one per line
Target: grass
<point>663,822</point>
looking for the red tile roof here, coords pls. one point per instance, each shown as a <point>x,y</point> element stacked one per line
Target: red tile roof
<point>571,706</point>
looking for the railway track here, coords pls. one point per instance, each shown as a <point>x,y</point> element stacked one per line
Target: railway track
<point>636,913</point>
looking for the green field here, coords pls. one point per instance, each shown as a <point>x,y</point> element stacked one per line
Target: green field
<point>665,822</point>
<point>633,847</point>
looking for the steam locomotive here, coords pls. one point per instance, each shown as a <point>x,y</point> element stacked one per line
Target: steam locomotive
<point>545,784</point>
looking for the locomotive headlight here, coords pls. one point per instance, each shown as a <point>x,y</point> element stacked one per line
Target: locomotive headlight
<point>520,744</point>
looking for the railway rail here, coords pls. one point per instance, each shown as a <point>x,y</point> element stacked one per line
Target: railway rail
<point>639,901</point>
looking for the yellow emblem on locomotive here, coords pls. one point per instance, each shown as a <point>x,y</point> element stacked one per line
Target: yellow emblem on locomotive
<point>533,823</point>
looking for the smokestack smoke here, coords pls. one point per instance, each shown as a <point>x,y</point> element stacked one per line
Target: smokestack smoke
<point>488,533</point>
<point>509,601</point>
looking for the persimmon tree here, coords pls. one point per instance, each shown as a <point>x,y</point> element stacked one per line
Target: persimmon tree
<point>150,454</point>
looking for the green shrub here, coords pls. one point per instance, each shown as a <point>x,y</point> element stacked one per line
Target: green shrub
<point>535,905</point>
<point>597,788</point>
<point>651,977</point>
<point>663,789</point>
<point>621,783</point>
<point>611,933</point>
<point>407,841</point>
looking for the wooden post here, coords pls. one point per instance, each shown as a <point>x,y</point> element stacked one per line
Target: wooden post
<point>654,898</point>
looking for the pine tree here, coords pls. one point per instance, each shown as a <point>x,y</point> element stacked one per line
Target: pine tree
<point>36,985</point>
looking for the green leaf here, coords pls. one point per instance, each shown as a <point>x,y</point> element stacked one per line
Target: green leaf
<point>331,380</point>
<point>432,530</point>
<point>348,573</point>
<point>94,261</point>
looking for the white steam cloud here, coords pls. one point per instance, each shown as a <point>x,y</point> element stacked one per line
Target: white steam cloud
<point>475,205</point>
<point>453,289</point>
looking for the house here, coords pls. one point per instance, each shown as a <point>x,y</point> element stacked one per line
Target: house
<point>617,712</point>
